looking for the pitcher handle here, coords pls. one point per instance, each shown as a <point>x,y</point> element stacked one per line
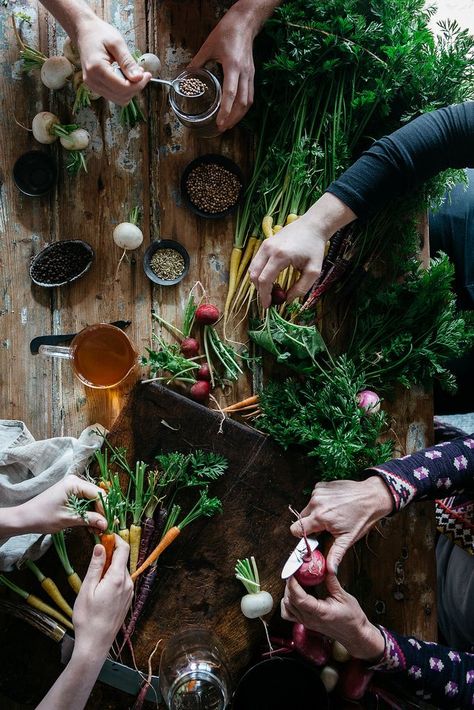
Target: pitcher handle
<point>55,351</point>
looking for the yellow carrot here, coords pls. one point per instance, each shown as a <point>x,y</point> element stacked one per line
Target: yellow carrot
<point>247,256</point>
<point>135,537</point>
<point>235,260</point>
<point>124,533</point>
<point>49,587</point>
<point>277,228</point>
<point>267,224</point>
<point>42,606</point>
<point>165,542</point>
<point>75,582</point>
<point>292,217</point>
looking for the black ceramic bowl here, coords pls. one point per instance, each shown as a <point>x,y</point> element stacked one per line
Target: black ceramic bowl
<point>164,244</point>
<point>61,263</point>
<point>281,684</point>
<point>214,159</point>
<point>35,173</point>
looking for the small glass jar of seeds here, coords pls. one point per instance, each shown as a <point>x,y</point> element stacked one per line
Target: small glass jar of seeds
<point>199,103</point>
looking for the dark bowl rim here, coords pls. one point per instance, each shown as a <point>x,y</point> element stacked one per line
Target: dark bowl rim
<point>165,244</point>
<point>48,159</point>
<point>223,160</point>
<point>49,247</point>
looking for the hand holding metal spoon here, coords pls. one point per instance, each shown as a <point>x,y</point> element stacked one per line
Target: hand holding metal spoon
<point>189,88</point>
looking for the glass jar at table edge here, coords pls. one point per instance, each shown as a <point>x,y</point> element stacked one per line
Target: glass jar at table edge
<point>198,113</point>
<point>193,672</point>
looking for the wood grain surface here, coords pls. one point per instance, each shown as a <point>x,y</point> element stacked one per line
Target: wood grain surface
<point>142,167</point>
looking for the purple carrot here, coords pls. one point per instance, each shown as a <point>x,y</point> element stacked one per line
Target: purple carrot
<point>156,526</point>
<point>148,528</point>
<point>140,601</point>
<point>140,699</point>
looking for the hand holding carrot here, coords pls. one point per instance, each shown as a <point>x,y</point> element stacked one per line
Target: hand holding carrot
<point>300,244</point>
<point>339,616</point>
<point>49,511</point>
<point>345,509</point>
<point>104,601</point>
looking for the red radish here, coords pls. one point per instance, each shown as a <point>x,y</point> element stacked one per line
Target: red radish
<point>189,347</point>
<point>313,569</point>
<point>278,295</point>
<point>200,391</point>
<point>207,314</point>
<point>311,645</point>
<point>369,401</point>
<point>204,373</point>
<point>354,679</point>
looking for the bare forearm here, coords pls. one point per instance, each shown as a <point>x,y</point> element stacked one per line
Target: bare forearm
<point>255,12</point>
<point>69,14</point>
<point>12,522</point>
<point>74,685</point>
<point>328,214</point>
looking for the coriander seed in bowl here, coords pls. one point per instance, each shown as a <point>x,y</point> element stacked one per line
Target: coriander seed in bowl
<point>212,186</point>
<point>166,262</point>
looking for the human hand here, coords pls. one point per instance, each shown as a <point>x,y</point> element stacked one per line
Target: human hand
<point>297,244</point>
<point>100,45</point>
<point>49,512</point>
<point>339,617</point>
<point>230,43</point>
<point>102,602</point>
<point>345,509</point>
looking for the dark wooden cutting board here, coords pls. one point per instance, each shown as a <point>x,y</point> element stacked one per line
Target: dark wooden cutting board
<point>196,584</point>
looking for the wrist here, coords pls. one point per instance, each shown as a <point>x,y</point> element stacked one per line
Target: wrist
<point>371,644</point>
<point>90,653</point>
<point>14,521</point>
<point>380,496</point>
<point>250,15</point>
<point>327,215</point>
<point>80,21</point>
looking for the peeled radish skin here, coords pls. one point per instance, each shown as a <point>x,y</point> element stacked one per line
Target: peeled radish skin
<point>329,677</point>
<point>340,652</point>
<point>257,604</point>
<point>127,235</point>
<point>76,140</point>
<point>150,62</point>
<point>42,125</point>
<point>55,72</point>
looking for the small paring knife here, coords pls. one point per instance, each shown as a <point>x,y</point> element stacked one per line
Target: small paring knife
<point>66,338</point>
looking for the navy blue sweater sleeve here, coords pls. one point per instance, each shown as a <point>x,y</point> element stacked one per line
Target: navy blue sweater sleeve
<point>432,473</point>
<point>393,165</point>
<point>434,672</point>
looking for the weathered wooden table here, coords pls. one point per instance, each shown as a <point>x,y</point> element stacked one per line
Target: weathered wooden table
<point>127,168</point>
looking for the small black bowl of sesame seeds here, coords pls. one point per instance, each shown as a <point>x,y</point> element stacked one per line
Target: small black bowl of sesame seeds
<point>212,186</point>
<point>166,262</point>
<point>61,263</point>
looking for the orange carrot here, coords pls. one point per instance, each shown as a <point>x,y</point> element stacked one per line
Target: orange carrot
<point>165,542</point>
<point>254,399</point>
<point>108,541</point>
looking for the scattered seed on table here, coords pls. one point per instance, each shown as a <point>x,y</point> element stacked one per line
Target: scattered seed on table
<point>167,264</point>
<point>212,188</point>
<point>192,86</point>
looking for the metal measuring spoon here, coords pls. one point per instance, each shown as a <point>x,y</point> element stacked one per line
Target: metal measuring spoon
<point>193,88</point>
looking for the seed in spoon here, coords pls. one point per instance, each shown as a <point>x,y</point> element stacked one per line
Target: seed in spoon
<point>192,87</point>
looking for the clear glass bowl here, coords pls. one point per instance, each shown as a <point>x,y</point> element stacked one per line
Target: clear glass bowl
<point>194,673</point>
<point>198,113</point>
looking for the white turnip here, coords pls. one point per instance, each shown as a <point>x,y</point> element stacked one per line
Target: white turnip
<point>56,71</point>
<point>78,139</point>
<point>256,603</point>
<point>150,62</point>
<point>43,125</point>
<point>329,677</point>
<point>127,235</point>
<point>71,52</point>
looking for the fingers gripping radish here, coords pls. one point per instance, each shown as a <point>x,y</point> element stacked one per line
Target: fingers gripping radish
<point>55,72</point>
<point>256,602</point>
<point>313,566</point>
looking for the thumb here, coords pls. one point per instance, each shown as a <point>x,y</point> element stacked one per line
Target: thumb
<point>96,565</point>
<point>308,525</point>
<point>338,549</point>
<point>126,62</point>
<point>201,57</point>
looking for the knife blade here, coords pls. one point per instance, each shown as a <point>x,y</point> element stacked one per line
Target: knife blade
<point>66,337</point>
<point>115,674</point>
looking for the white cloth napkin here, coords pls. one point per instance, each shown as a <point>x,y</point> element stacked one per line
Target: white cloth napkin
<point>27,468</point>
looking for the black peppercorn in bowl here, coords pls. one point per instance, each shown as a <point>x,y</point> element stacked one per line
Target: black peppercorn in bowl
<point>166,262</point>
<point>61,263</point>
<point>212,186</point>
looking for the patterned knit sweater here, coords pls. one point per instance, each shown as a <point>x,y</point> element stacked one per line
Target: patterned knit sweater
<point>435,673</point>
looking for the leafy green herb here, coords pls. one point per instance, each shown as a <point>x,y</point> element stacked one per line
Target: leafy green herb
<point>168,359</point>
